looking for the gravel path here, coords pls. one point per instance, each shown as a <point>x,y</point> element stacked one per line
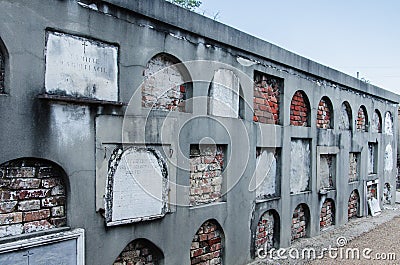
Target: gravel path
<point>380,234</point>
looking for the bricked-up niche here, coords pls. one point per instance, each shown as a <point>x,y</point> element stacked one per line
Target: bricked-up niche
<point>388,123</point>
<point>325,114</point>
<point>372,157</point>
<point>327,171</point>
<point>140,251</point>
<point>208,244</point>
<point>327,216</point>
<point>206,174</point>
<point>33,197</point>
<point>300,221</point>
<point>362,120</point>
<point>300,110</point>
<point>353,205</point>
<point>267,172</point>
<point>376,126</point>
<point>267,231</point>
<point>388,159</point>
<point>166,84</point>
<point>354,166</point>
<point>225,97</point>
<point>2,69</point>
<point>267,91</point>
<point>345,116</point>
<point>300,169</point>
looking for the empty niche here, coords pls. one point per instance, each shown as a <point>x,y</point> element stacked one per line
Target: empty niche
<point>166,84</point>
<point>372,157</point>
<point>266,236</point>
<point>327,216</point>
<point>300,110</point>
<point>137,186</point>
<point>388,123</point>
<point>300,169</point>
<point>376,125</point>
<point>206,173</point>
<point>354,166</point>
<point>267,171</point>
<point>33,197</point>
<point>140,251</point>
<point>267,91</point>
<point>388,160</point>
<point>300,222</point>
<point>327,171</point>
<point>353,205</point>
<point>345,117</point>
<point>362,120</point>
<point>325,114</point>
<point>208,244</point>
<point>224,94</point>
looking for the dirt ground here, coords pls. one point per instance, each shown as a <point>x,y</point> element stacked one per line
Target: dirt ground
<point>367,240</point>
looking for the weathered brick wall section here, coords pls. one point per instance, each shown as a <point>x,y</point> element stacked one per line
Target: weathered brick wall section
<point>353,166</point>
<point>299,222</point>
<point>324,114</point>
<point>206,167</point>
<point>299,110</point>
<point>327,217</point>
<point>362,120</point>
<point>376,125</point>
<point>354,203</point>
<point>207,245</point>
<point>163,87</point>
<point>33,198</point>
<point>2,72</point>
<point>138,252</point>
<point>267,91</point>
<point>345,116</point>
<point>265,232</point>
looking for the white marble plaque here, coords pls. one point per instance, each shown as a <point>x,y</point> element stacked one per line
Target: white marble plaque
<point>137,186</point>
<point>81,67</point>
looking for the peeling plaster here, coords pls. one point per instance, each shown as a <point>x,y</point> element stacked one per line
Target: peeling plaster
<point>300,171</point>
<point>266,174</point>
<point>389,158</point>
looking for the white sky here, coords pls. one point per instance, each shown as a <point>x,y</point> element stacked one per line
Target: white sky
<point>348,35</point>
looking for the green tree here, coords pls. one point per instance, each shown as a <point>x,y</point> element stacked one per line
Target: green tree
<point>188,4</point>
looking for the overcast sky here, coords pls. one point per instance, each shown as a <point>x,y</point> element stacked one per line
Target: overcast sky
<point>348,35</point>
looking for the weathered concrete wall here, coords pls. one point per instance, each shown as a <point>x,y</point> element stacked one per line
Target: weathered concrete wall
<point>80,133</point>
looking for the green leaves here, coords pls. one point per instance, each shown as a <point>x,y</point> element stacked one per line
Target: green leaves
<point>188,4</point>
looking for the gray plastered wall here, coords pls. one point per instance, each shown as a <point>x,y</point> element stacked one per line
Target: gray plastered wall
<point>80,136</point>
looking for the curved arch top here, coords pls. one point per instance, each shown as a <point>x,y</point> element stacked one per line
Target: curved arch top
<point>167,84</point>
<point>300,109</point>
<point>345,116</point>
<point>325,114</point>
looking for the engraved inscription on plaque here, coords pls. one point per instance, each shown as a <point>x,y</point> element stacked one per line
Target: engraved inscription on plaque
<point>137,186</point>
<point>81,67</point>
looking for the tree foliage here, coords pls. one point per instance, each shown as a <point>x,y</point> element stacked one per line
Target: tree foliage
<point>188,4</point>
